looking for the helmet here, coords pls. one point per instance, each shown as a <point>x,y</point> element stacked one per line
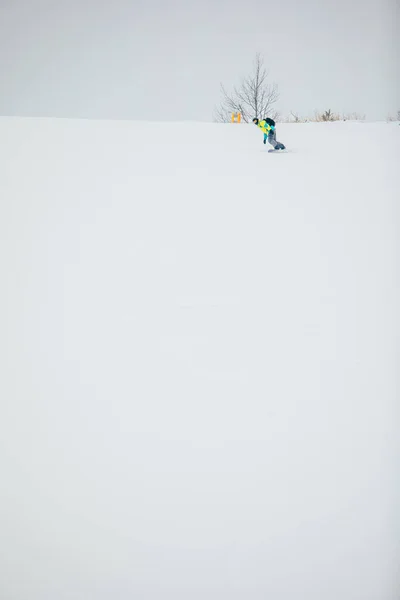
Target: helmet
<point>255,120</point>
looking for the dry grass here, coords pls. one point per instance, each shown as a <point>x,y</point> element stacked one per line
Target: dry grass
<point>324,117</point>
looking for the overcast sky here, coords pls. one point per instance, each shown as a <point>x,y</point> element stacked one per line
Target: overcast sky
<point>146,59</point>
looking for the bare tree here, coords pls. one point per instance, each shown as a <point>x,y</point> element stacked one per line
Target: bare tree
<point>254,97</point>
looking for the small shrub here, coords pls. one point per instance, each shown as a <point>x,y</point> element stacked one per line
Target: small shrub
<point>326,116</point>
<point>295,118</point>
<point>353,117</point>
<point>391,118</point>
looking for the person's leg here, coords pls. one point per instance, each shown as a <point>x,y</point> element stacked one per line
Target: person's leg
<point>279,145</point>
<point>272,140</point>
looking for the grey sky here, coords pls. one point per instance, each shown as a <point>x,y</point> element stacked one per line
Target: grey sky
<point>147,59</point>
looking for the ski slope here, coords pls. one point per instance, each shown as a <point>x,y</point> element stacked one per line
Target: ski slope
<point>198,388</point>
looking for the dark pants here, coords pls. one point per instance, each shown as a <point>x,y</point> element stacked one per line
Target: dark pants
<point>272,140</point>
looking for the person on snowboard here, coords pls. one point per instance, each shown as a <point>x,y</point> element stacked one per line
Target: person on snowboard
<point>267,126</point>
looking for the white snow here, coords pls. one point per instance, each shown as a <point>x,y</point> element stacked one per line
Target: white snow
<point>198,362</point>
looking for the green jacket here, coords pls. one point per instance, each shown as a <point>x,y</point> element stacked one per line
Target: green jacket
<point>265,127</point>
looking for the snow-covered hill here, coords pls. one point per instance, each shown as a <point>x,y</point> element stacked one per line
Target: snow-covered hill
<point>198,361</point>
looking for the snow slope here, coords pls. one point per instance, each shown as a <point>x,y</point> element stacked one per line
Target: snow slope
<point>198,361</point>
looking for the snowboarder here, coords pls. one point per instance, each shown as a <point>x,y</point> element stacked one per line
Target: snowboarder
<point>267,126</point>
